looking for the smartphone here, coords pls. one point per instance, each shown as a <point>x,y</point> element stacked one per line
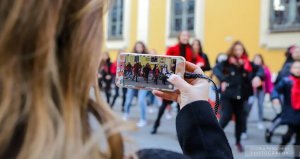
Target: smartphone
<point>146,71</point>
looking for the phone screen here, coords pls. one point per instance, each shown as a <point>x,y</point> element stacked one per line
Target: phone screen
<point>144,71</point>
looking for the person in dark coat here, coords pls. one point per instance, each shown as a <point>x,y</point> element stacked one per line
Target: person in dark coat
<point>237,79</point>
<point>199,57</point>
<point>107,74</point>
<point>155,72</point>
<point>292,54</point>
<point>136,71</point>
<point>289,87</point>
<point>146,71</point>
<point>128,70</point>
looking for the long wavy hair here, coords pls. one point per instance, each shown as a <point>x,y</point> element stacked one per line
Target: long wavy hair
<point>231,53</point>
<point>200,51</point>
<point>49,56</point>
<point>145,50</point>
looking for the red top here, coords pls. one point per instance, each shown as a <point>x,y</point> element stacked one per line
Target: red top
<point>295,92</point>
<point>113,68</point>
<point>175,51</point>
<point>242,60</point>
<point>199,60</point>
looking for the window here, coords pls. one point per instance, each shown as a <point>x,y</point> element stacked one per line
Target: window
<point>285,15</point>
<point>115,21</point>
<point>182,16</point>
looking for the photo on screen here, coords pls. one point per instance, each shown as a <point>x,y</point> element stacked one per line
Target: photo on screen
<point>148,71</point>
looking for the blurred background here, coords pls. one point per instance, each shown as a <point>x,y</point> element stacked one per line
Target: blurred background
<point>266,27</point>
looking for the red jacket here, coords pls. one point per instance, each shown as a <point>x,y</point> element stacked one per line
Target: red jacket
<point>199,60</point>
<point>113,68</point>
<point>175,51</point>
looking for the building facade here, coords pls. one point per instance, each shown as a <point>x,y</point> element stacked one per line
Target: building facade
<point>264,26</point>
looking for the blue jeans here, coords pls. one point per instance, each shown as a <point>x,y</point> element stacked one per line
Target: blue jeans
<point>142,102</point>
<point>153,100</point>
<point>260,95</point>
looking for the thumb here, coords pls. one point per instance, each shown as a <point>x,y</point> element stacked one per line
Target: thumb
<point>178,82</point>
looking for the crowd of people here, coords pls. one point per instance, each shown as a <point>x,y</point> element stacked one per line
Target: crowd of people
<point>240,80</point>
<point>51,106</point>
<point>138,70</point>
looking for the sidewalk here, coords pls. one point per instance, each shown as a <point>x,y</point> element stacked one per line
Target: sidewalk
<point>166,136</point>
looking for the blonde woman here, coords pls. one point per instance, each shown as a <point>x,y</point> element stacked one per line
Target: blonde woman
<point>49,56</point>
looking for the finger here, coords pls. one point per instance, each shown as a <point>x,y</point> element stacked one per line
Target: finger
<point>166,95</point>
<point>190,67</point>
<point>178,82</point>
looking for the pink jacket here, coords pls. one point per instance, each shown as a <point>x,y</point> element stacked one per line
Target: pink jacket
<point>268,85</point>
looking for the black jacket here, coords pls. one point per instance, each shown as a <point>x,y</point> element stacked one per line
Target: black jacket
<point>285,71</point>
<point>288,114</point>
<point>206,67</point>
<point>199,133</point>
<point>238,79</point>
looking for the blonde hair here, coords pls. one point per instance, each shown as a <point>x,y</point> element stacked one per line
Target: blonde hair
<point>49,56</point>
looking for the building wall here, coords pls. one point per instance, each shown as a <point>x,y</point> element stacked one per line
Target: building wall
<point>157,25</point>
<point>224,22</point>
<point>232,20</point>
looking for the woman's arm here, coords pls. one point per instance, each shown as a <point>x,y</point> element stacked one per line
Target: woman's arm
<point>199,133</point>
<point>218,72</point>
<point>278,89</point>
<point>260,72</point>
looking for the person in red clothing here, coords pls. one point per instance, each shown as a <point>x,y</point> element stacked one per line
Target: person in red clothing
<point>136,70</point>
<point>156,73</point>
<point>184,49</point>
<point>199,57</point>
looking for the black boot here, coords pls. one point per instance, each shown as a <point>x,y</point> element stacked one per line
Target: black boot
<point>154,130</point>
<point>268,136</point>
<point>297,151</point>
<point>240,147</point>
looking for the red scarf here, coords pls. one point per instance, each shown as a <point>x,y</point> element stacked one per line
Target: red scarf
<point>243,61</point>
<point>198,59</point>
<point>295,93</point>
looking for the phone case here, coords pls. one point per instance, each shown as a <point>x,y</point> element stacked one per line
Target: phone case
<point>146,71</point>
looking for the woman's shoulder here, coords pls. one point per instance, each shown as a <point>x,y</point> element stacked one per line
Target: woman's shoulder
<point>173,46</point>
<point>287,80</point>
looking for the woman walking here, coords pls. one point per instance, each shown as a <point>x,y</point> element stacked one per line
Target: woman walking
<point>184,49</point>
<point>140,48</point>
<point>237,79</point>
<point>265,88</point>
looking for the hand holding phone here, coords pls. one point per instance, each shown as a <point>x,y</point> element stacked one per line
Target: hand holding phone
<point>189,90</point>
